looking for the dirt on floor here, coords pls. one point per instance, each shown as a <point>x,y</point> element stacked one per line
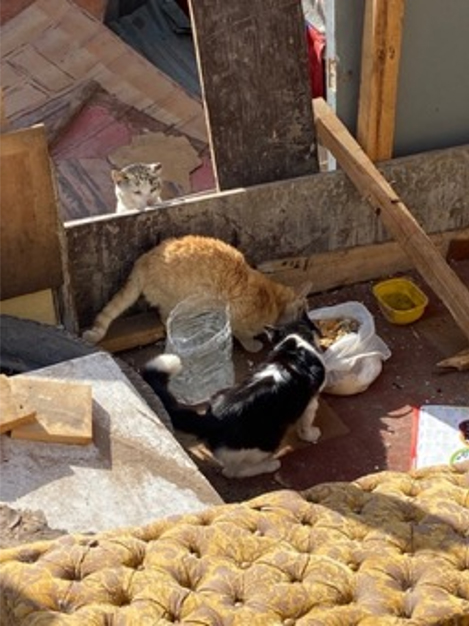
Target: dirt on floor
<point>17,527</point>
<point>372,431</point>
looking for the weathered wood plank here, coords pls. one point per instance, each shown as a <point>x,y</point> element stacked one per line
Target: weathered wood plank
<point>381,51</point>
<point>350,266</point>
<point>126,333</point>
<point>309,215</point>
<point>395,215</point>
<point>63,410</point>
<point>253,65</point>
<point>30,251</point>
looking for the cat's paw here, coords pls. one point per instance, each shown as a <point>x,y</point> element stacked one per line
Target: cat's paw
<point>251,345</point>
<point>310,434</point>
<point>92,336</point>
<point>272,466</point>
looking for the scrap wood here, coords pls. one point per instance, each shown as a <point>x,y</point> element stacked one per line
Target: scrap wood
<point>395,215</point>
<point>381,51</point>
<point>13,412</point>
<point>135,331</point>
<point>63,410</point>
<point>459,361</point>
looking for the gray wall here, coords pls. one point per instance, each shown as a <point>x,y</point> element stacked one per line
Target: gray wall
<point>433,90</point>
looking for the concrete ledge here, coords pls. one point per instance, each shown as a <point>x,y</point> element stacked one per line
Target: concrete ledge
<point>135,470</point>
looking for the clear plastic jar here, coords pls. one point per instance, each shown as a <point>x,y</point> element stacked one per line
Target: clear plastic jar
<point>198,330</point>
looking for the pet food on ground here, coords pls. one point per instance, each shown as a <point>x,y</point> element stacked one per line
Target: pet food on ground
<point>333,329</point>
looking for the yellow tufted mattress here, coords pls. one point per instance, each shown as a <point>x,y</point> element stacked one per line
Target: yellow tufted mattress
<point>390,548</point>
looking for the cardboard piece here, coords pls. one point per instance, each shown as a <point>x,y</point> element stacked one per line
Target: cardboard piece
<point>63,410</point>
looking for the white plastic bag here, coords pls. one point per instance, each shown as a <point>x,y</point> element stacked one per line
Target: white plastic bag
<point>355,360</point>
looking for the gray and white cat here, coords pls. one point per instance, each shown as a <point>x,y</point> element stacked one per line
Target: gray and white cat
<point>137,186</point>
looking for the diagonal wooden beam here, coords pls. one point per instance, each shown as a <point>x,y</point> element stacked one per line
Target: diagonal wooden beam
<point>397,218</point>
<point>381,51</point>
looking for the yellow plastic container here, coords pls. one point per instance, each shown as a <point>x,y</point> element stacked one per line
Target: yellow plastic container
<point>400,300</point>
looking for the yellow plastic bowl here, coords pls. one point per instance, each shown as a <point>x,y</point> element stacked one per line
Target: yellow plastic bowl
<point>400,300</point>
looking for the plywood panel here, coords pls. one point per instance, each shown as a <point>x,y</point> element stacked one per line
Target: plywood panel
<point>253,65</point>
<point>30,251</point>
<point>39,306</point>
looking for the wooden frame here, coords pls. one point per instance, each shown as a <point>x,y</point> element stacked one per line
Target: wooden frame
<point>31,250</point>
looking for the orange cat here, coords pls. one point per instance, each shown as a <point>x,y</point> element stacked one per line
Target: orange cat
<point>178,268</point>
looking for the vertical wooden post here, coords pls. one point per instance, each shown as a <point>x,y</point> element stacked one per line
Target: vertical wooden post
<point>381,48</point>
<point>254,72</point>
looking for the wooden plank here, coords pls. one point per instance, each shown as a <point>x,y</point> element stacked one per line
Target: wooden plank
<point>381,51</point>
<point>39,306</point>
<point>30,251</point>
<point>459,361</point>
<point>395,215</point>
<point>13,412</point>
<point>63,410</point>
<point>133,332</point>
<point>253,66</point>
<point>352,265</point>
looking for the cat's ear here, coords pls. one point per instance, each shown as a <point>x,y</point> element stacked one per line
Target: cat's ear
<point>117,176</point>
<point>272,333</point>
<point>156,168</point>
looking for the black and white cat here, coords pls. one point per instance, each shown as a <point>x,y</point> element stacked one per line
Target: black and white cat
<point>244,425</point>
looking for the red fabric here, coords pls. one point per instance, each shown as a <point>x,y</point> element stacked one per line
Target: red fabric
<point>316,43</point>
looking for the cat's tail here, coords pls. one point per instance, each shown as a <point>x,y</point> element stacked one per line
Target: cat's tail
<point>125,297</point>
<point>157,374</point>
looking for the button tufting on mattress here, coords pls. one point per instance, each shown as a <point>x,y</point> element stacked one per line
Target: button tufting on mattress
<point>389,548</point>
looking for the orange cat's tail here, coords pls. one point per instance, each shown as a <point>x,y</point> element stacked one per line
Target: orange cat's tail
<point>124,298</point>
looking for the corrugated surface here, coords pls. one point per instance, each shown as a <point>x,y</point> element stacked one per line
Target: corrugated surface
<point>161,32</point>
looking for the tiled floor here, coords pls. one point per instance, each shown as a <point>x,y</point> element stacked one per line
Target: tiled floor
<point>379,420</point>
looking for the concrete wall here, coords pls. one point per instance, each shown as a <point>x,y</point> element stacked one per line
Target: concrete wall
<point>433,90</point>
<point>299,217</point>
